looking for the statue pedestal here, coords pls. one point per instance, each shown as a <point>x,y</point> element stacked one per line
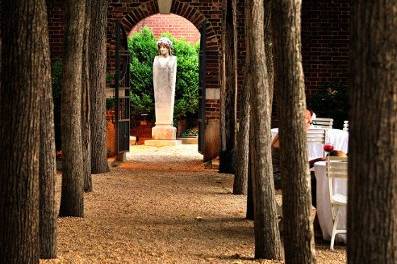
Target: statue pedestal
<point>164,132</point>
<point>162,142</point>
<point>163,135</point>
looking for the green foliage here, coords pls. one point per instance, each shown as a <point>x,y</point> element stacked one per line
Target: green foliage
<point>190,132</point>
<point>331,101</point>
<point>56,75</point>
<point>143,49</point>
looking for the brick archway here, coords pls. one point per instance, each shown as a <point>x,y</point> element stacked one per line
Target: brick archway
<point>130,12</point>
<point>197,18</point>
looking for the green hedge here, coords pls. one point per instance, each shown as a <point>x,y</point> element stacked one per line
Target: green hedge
<point>142,47</point>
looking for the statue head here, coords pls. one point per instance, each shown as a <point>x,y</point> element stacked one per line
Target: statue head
<point>164,46</point>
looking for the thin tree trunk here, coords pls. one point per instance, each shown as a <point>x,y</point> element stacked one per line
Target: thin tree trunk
<point>85,103</point>
<point>372,203</point>
<point>72,199</point>
<point>250,200</point>
<point>240,183</point>
<point>24,53</point>
<point>97,75</point>
<point>230,89</point>
<point>267,236</point>
<point>47,167</point>
<point>297,229</point>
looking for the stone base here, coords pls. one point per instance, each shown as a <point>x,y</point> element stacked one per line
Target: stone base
<point>162,142</point>
<point>164,132</point>
<point>189,140</point>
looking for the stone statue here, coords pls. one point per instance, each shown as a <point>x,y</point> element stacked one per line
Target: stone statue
<point>164,78</point>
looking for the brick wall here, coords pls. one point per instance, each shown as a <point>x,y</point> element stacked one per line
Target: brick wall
<point>326,47</point>
<point>177,25</point>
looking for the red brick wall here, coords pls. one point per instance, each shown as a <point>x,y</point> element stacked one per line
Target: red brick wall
<point>326,46</point>
<point>177,25</point>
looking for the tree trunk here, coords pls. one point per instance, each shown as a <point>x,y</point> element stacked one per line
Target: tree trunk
<point>97,75</point>
<point>267,236</point>
<point>297,229</point>
<point>24,52</point>
<point>85,103</point>
<point>250,198</point>
<point>230,89</point>
<point>372,204</point>
<point>240,183</point>
<point>47,167</point>
<point>72,199</point>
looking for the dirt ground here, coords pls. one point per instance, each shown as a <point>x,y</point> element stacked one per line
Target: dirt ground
<point>163,206</point>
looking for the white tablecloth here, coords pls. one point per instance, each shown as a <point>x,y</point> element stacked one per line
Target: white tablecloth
<point>336,137</point>
<point>323,202</point>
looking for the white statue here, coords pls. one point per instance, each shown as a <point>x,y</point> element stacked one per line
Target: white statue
<point>164,78</point>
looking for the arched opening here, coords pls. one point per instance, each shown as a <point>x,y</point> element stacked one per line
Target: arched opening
<point>209,103</point>
<point>142,48</point>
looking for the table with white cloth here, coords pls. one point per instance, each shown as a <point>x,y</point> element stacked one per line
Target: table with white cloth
<point>323,209</point>
<point>339,140</point>
<point>336,137</point>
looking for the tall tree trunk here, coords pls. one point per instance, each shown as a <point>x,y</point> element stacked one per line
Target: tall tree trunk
<point>230,89</point>
<point>85,103</point>
<point>72,199</point>
<point>372,203</point>
<point>24,53</point>
<point>297,229</point>
<point>250,199</point>
<point>267,236</point>
<point>240,184</point>
<point>47,167</point>
<point>97,75</point>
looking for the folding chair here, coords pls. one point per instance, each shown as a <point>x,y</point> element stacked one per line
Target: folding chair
<point>336,169</point>
<point>322,122</point>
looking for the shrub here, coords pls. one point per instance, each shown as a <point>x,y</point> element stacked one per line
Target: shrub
<point>143,49</point>
<point>331,101</point>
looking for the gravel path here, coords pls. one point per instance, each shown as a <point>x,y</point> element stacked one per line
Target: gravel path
<point>163,207</point>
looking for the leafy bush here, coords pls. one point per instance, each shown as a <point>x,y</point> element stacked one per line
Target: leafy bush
<point>190,132</point>
<point>331,101</point>
<point>143,49</point>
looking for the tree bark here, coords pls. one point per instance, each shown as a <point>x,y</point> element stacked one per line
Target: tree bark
<point>297,229</point>
<point>250,200</point>
<point>47,165</point>
<point>24,50</point>
<point>85,103</point>
<point>372,203</point>
<point>230,89</point>
<point>97,75</point>
<point>240,184</point>
<point>267,236</point>
<point>72,199</point>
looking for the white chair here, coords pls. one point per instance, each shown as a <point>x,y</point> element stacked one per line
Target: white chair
<point>322,122</point>
<point>336,169</point>
<point>317,136</point>
<point>346,126</point>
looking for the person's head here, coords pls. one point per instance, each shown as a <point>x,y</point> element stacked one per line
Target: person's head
<point>308,119</point>
<point>164,46</point>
